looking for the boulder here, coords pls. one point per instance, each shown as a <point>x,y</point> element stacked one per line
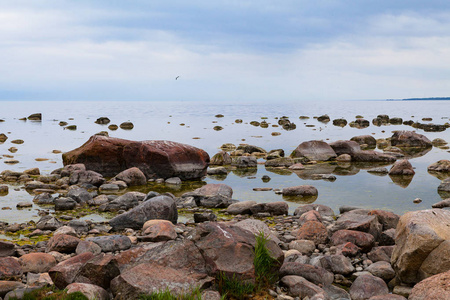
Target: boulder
<point>6,249</point>
<point>442,165</point>
<point>388,219</point>
<point>35,117</point>
<point>111,243</point>
<point>361,239</point>
<point>212,195</point>
<point>7,286</point>
<point>323,210</point>
<point>345,147</point>
<point>241,208</point>
<point>10,268</point>
<point>62,243</point>
<point>250,149</point>
<point>281,162</point>
<point>437,261</point>
<point>88,246</point>
<point>418,234</point>
<point>158,231</point>
<point>366,286</point>
<point>65,203</point>
<point>278,208</point>
<point>48,223</point>
<point>132,176</point>
<point>229,249</point>
<point>221,159</point>
<point>314,150</point>
<point>125,202</point>
<point>160,207</point>
<point>65,272</point>
<point>337,264</point>
<point>316,275</point>
<point>410,139</point>
<point>244,162</point>
<point>365,139</point>
<point>91,177</point>
<point>156,159</point>
<point>37,262</point>
<point>436,287</point>
<point>381,269</point>
<point>301,190</point>
<point>359,220</point>
<point>313,231</point>
<point>298,286</point>
<point>402,167</point>
<point>91,291</point>
<point>99,270</point>
<point>381,253</point>
<point>256,227</point>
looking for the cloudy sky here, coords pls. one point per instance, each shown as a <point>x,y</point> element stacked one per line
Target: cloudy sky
<point>233,50</point>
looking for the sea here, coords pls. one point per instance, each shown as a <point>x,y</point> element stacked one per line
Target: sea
<point>208,125</point>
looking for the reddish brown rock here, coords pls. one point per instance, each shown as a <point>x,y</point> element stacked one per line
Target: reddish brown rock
<point>361,239</point>
<point>316,275</point>
<point>366,286</point>
<point>440,166</point>
<point>359,220</point>
<point>156,159</point>
<point>381,253</point>
<point>436,287</point>
<point>158,231</point>
<point>311,215</point>
<point>402,167</point>
<point>132,176</point>
<point>10,268</point>
<point>298,286</point>
<point>388,219</point>
<point>99,270</point>
<point>345,147</point>
<point>6,249</point>
<point>37,262</point>
<point>349,249</point>
<point>65,272</point>
<point>313,231</point>
<point>63,243</point>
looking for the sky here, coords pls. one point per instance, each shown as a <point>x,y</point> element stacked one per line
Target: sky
<point>232,50</point>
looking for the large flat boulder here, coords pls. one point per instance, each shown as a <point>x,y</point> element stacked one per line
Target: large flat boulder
<point>404,138</point>
<point>418,235</point>
<point>314,150</point>
<point>156,159</point>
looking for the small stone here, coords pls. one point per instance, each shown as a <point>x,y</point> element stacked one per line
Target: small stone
<point>417,200</point>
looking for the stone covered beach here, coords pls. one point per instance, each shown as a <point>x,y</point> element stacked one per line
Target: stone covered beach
<point>318,253</point>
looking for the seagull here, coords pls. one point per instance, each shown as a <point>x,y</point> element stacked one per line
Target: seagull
<point>176,78</point>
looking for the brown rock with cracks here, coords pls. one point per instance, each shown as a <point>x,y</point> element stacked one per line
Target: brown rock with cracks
<point>37,262</point>
<point>314,231</point>
<point>65,272</point>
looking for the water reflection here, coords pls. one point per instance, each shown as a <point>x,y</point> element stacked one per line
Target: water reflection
<point>300,199</point>
<point>245,172</point>
<point>402,180</point>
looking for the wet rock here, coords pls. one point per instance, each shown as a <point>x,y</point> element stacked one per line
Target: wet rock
<point>160,207</point>
<point>37,262</point>
<point>372,156</point>
<point>65,272</point>
<point>444,188</point>
<point>442,165</point>
<point>298,286</point>
<point>35,117</point>
<point>436,287</point>
<point>380,171</point>
<point>221,159</point>
<point>301,190</point>
<point>91,291</point>
<point>158,231</point>
<point>410,139</point>
<point>69,169</point>
<point>296,167</point>
<point>418,234</point>
<point>345,147</point>
<point>366,286</point>
<point>442,204</point>
<point>314,231</point>
<point>340,122</point>
<point>156,159</point>
<point>244,162</point>
<point>368,140</point>
<point>113,127</point>
<point>284,162</point>
<point>132,176</point>
<point>126,125</point>
<point>316,275</point>
<point>276,153</point>
<point>80,195</point>
<point>359,123</point>
<point>10,268</point>
<point>62,243</point>
<point>402,167</point>
<point>314,150</point>
<point>102,120</point>
<point>3,137</point>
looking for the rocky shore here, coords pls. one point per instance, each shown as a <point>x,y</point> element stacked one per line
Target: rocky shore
<point>318,253</point>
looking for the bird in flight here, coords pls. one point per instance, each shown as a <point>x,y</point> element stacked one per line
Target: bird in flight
<point>176,78</point>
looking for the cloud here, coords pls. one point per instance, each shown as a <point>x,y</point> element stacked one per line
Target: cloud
<point>231,51</point>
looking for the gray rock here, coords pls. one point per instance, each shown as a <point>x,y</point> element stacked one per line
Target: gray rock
<point>90,177</point>
<point>160,207</point>
<point>241,208</point>
<point>298,286</point>
<point>65,203</point>
<point>244,162</point>
<point>382,269</point>
<point>132,176</point>
<point>125,202</point>
<point>111,243</point>
<point>366,286</point>
<point>80,195</point>
<point>48,223</point>
<point>314,150</point>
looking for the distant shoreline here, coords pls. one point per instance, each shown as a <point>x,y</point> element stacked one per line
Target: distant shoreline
<point>419,99</point>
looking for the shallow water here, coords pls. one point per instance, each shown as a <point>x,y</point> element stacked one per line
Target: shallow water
<point>192,123</point>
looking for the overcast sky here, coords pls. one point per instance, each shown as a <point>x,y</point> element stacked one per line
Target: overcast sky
<point>224,50</point>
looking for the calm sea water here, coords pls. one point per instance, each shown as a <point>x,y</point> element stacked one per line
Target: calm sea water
<point>193,123</point>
